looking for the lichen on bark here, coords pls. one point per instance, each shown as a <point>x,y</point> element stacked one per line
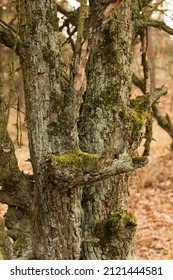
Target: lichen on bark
<point>5,243</point>
<point>119,225</point>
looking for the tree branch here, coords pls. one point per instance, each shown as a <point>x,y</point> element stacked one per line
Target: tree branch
<point>124,164</point>
<point>8,36</point>
<point>14,182</point>
<point>62,10</point>
<point>72,16</point>
<point>156,94</point>
<point>70,170</point>
<point>145,2</point>
<point>157,24</point>
<point>138,82</point>
<point>163,121</point>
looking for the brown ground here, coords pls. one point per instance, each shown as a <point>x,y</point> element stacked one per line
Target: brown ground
<point>151,199</point>
<point>151,194</point>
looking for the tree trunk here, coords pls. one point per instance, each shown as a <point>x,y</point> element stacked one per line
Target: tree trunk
<point>101,130</point>
<point>83,133</point>
<point>56,231</point>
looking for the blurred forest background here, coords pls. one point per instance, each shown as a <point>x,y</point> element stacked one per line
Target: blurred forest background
<point>150,188</point>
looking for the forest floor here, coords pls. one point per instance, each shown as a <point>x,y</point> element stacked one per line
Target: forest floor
<point>150,189</point>
<point>151,199</point>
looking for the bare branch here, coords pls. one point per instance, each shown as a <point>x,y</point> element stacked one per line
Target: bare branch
<point>71,16</point>
<point>124,164</point>
<point>154,8</point>
<point>156,94</point>
<point>157,24</point>
<point>8,36</point>
<point>163,121</point>
<point>145,2</point>
<point>138,82</point>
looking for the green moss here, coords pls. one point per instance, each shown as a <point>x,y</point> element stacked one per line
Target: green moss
<point>52,18</point>
<point>129,218</point>
<point>76,158</point>
<point>139,160</point>
<point>135,115</point>
<point>139,108</point>
<point>137,118</point>
<point>141,104</point>
<point>134,121</point>
<point>104,230</point>
<point>20,246</point>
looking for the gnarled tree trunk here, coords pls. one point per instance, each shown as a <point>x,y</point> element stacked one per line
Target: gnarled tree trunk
<point>83,134</point>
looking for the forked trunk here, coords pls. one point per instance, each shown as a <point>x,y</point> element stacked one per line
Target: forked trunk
<point>83,132</point>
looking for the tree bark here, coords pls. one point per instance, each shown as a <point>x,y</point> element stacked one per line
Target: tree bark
<point>101,129</point>
<point>83,134</point>
<point>16,191</point>
<point>51,127</point>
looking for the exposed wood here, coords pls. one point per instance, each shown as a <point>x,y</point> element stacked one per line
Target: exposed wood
<point>111,8</point>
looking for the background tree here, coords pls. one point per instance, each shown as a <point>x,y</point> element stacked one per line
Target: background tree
<point>83,129</point>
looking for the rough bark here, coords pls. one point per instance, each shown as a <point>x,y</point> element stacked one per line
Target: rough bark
<point>51,127</point>
<point>101,129</point>
<point>83,133</point>
<point>16,190</point>
<point>5,244</point>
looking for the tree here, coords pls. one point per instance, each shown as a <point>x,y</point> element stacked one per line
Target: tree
<point>83,129</point>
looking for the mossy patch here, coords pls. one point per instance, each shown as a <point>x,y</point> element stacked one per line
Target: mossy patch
<point>138,160</point>
<point>140,104</point>
<point>135,116</point>
<point>129,218</point>
<point>77,159</point>
<point>52,18</point>
<point>20,246</point>
<point>107,228</point>
<point>103,229</point>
